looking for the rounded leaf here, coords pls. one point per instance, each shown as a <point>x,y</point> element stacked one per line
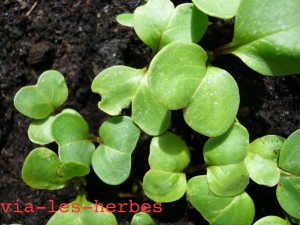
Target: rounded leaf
<point>288,194</point>
<point>218,8</point>
<point>40,170</point>
<point>272,220</point>
<point>163,186</point>
<point>148,113</point>
<point>117,86</point>
<point>235,210</point>
<point>268,44</point>
<point>175,73</point>
<point>290,154</point>
<point>39,131</point>
<point>229,148</point>
<point>168,153</point>
<point>125,19</point>
<point>70,170</point>
<point>45,97</point>
<point>228,180</point>
<point>142,218</point>
<point>214,106</point>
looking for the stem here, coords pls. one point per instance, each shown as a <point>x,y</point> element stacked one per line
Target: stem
<point>95,138</point>
<point>196,168</point>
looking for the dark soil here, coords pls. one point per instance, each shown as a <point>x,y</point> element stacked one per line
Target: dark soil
<point>80,39</point>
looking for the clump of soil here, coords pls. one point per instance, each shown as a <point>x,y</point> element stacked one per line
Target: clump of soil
<point>80,39</point>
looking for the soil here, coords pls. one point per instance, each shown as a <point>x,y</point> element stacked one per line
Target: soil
<point>80,39</point>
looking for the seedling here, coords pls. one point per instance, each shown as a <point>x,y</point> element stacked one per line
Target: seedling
<point>180,76</point>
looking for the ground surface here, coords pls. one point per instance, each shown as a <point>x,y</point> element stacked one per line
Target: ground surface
<point>80,39</point>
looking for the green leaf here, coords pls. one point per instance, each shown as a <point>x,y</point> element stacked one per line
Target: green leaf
<point>161,186</point>
<point>148,113</point>
<point>290,154</point>
<point>39,101</point>
<point>213,108</point>
<point>112,159</point>
<point>186,24</point>
<point>236,210</point>
<point>228,180</point>
<point>39,131</point>
<point>70,170</point>
<point>82,212</point>
<point>218,8</point>
<point>39,170</point>
<point>288,194</point>
<point>175,73</point>
<point>142,218</point>
<point>150,21</point>
<point>168,153</point>
<point>274,220</point>
<point>71,132</point>
<point>117,86</point>
<point>125,19</point>
<point>268,44</point>
<point>229,148</point>
<point>261,160</point>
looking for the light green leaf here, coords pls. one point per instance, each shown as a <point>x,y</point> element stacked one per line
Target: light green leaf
<point>176,72</point>
<point>151,20</point>
<point>71,132</point>
<point>236,210</point>
<point>70,170</point>
<point>229,148</point>
<point>125,19</point>
<point>224,9</point>
<point>213,108</point>
<point>82,212</point>
<point>228,180</point>
<point>142,218</point>
<point>290,154</point>
<point>40,100</point>
<point>39,131</point>
<point>39,170</point>
<point>168,153</point>
<point>261,160</point>
<point>268,42</point>
<point>117,86</point>
<point>161,186</point>
<point>186,24</point>
<point>272,220</point>
<point>288,194</point>
<point>112,159</point>
<point>148,113</point>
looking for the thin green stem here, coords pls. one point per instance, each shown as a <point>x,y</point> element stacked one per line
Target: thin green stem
<point>196,168</point>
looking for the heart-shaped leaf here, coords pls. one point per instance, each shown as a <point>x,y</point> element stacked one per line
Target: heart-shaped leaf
<point>71,132</point>
<point>214,106</point>
<point>82,212</point>
<point>262,158</point>
<point>125,19</point>
<point>142,218</point>
<point>112,159</point>
<point>290,154</point>
<point>148,113</point>
<point>40,170</point>
<point>228,180</point>
<point>169,155</point>
<point>176,72</point>
<point>39,131</point>
<point>229,148</point>
<point>218,8</point>
<point>70,170</point>
<point>39,101</point>
<point>117,86</point>
<point>268,44</point>
<point>235,210</point>
<point>274,220</point>
<point>161,186</point>
<point>288,194</point>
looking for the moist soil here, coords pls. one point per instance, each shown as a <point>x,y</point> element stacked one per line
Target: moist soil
<point>80,39</point>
